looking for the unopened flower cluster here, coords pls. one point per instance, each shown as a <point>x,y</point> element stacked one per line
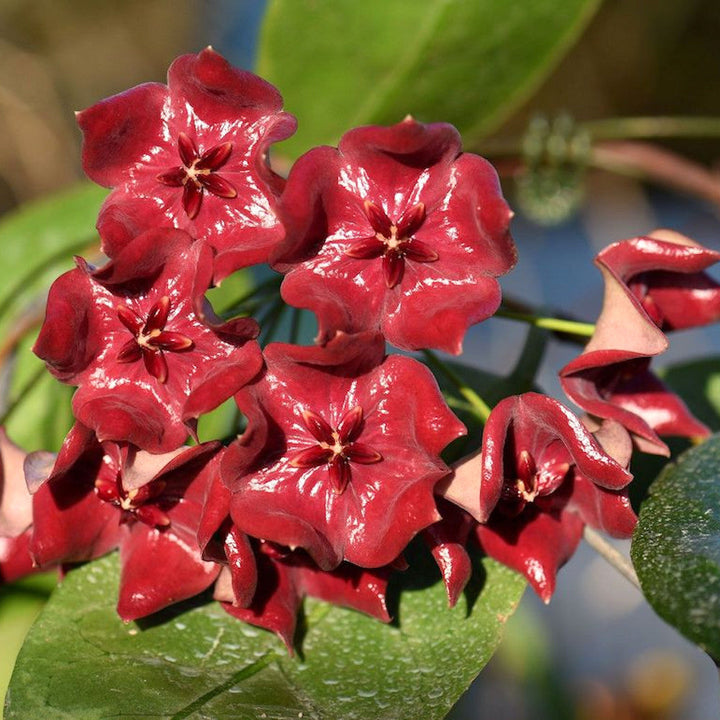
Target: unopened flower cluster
<point>394,238</point>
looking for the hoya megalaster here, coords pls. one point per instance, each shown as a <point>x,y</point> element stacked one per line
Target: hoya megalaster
<point>612,378</point>
<point>99,497</point>
<point>395,231</point>
<point>342,451</point>
<point>192,155</point>
<point>666,272</point>
<point>540,478</point>
<point>285,578</point>
<point>142,344</point>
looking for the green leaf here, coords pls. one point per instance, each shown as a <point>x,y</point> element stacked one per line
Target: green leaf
<point>676,547</point>
<point>698,384</point>
<point>81,662</point>
<point>467,62</point>
<point>39,414</point>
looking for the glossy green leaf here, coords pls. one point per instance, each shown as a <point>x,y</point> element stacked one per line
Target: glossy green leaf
<point>676,547</point>
<point>81,662</point>
<point>467,62</point>
<point>698,384</point>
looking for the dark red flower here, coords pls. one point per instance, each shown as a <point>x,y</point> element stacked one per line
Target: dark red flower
<point>105,496</point>
<point>665,272</point>
<point>447,540</point>
<point>342,451</point>
<point>396,230</point>
<point>612,378</point>
<point>540,478</point>
<point>192,155</point>
<point>142,344</point>
<point>285,578</point>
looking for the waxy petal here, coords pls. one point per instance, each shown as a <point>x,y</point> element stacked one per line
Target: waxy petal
<point>318,427</point>
<point>192,362</point>
<point>350,425</point>
<point>158,570</point>
<point>419,252</point>
<point>146,144</point>
<point>215,158</point>
<point>192,199</point>
<point>218,185</point>
<point>15,498</point>
<point>310,457</point>
<point>379,220</point>
<point>393,266</point>
<point>187,149</point>
<point>536,548</point>
<point>363,454</point>
<point>366,249</point>
<point>415,176</point>
<point>344,510</point>
<point>665,271</point>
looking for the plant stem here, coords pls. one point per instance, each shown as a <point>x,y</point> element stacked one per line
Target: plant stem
<point>570,327</point>
<point>630,128</point>
<point>652,127</point>
<point>598,543</point>
<point>479,407</point>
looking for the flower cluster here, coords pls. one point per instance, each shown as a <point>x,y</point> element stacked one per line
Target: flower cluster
<point>394,237</point>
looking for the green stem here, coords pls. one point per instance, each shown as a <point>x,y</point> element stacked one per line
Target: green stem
<point>479,407</point>
<point>598,543</point>
<point>571,327</point>
<point>652,127</point>
<point>630,128</point>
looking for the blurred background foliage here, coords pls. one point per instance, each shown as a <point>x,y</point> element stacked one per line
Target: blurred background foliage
<point>59,56</point>
<point>633,59</point>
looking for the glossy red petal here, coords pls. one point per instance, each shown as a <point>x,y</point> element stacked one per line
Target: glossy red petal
<point>276,601</point>
<point>419,252</point>
<point>218,185</point>
<point>383,504</point>
<point>119,131</point>
<point>605,510</point>
<point>446,540</point>
<point>537,547</point>
<point>350,425</point>
<point>187,149</point>
<point>665,271</point>
<point>172,341</point>
<point>158,570</point>
<point>173,178</point>
<point>393,265</point>
<point>366,249</point>
<point>317,426</point>
<point>192,199</point>
<point>416,173</point>
<point>214,158</point>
